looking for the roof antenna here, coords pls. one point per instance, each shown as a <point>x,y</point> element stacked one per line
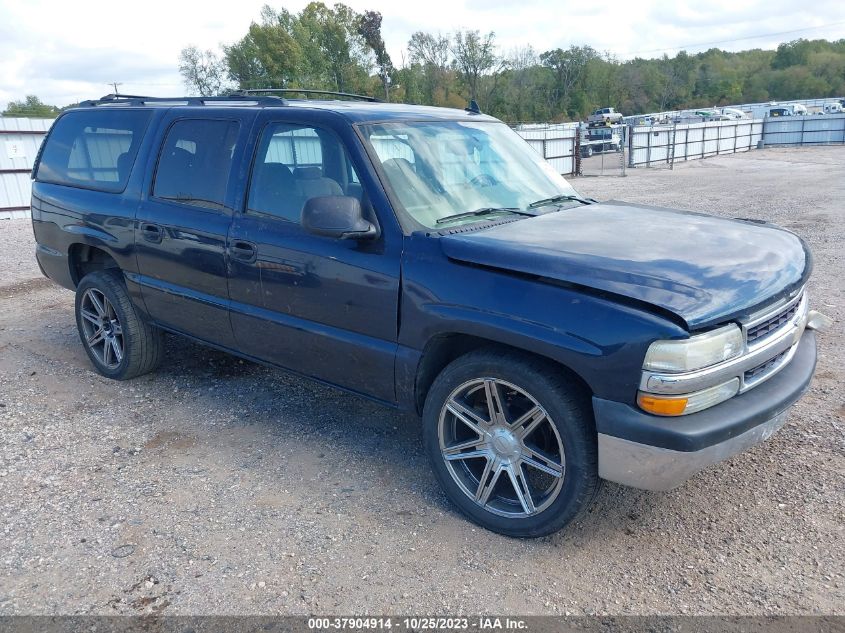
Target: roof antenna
<point>473,107</point>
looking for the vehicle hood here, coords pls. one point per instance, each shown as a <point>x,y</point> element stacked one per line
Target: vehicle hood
<point>700,268</point>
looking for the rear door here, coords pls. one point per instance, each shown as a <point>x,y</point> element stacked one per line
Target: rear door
<point>326,308</point>
<point>184,218</point>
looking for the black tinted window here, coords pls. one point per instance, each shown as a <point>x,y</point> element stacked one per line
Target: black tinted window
<point>295,164</point>
<point>195,162</point>
<point>94,149</point>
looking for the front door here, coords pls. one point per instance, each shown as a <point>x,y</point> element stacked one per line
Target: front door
<point>182,224</point>
<point>326,308</point>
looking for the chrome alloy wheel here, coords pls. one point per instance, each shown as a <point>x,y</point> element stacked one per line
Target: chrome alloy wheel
<point>101,328</point>
<point>501,448</point>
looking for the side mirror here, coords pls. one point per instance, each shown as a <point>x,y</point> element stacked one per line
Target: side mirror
<point>339,217</point>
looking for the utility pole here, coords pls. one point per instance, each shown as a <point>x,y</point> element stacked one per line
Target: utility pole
<point>116,84</point>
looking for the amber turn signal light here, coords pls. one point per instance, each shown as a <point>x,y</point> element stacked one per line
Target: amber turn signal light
<point>662,406</point>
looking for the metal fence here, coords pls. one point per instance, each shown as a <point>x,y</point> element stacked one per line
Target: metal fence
<point>809,103</point>
<point>813,104</point>
<point>663,145</point>
<point>555,142</point>
<point>644,146</point>
<point>805,130</point>
<point>19,143</point>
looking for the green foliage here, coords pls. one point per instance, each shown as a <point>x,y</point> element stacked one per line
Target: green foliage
<point>32,107</point>
<point>335,48</point>
<point>428,78</point>
<point>474,55</point>
<point>321,47</point>
<point>204,71</point>
<point>369,27</point>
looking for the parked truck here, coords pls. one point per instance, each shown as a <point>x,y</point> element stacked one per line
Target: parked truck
<point>774,110</point>
<point>596,139</point>
<point>428,259</point>
<point>605,116</point>
<point>733,114</point>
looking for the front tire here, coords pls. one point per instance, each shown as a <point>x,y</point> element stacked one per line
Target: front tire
<point>119,342</point>
<point>512,442</point>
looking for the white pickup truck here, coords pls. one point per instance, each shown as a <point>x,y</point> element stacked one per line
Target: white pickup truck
<point>598,139</point>
<point>605,115</point>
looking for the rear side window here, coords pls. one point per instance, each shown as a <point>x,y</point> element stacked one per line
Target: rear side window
<point>195,162</point>
<point>93,149</point>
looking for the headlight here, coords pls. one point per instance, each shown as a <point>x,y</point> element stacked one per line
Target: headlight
<point>695,352</point>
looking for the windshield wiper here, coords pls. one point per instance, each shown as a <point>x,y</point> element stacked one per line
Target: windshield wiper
<point>560,198</point>
<point>479,212</point>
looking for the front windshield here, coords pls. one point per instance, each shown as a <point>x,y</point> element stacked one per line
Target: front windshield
<point>445,168</point>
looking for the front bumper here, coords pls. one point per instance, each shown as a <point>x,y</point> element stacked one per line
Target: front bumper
<point>660,453</point>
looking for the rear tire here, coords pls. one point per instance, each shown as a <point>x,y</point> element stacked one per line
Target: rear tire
<point>527,465</point>
<point>117,339</point>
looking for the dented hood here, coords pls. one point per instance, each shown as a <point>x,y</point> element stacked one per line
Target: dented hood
<point>701,268</point>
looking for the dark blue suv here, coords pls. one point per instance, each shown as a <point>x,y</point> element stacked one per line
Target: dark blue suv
<point>427,258</point>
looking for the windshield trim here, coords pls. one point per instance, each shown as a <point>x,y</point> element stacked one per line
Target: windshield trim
<point>406,220</point>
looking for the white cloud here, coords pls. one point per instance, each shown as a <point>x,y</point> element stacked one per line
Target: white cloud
<point>68,51</point>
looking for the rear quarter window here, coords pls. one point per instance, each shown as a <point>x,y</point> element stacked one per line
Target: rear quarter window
<point>93,149</point>
<point>196,162</point>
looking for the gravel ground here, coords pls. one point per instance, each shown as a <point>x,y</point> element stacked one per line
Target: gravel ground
<point>218,486</point>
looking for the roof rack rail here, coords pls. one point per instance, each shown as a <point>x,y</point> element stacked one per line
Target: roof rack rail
<point>305,91</point>
<point>124,99</point>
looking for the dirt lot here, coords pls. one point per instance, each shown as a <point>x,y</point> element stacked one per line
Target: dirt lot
<point>218,486</point>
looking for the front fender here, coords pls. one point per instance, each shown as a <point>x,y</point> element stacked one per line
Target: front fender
<point>601,340</point>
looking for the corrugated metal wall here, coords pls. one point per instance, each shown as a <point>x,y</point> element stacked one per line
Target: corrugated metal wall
<point>805,130</point>
<point>810,103</point>
<point>555,143</point>
<point>650,145</point>
<point>19,143</point>
<point>666,144</point>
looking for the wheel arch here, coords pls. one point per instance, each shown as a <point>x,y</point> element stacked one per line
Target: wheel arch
<point>444,348</point>
<point>84,259</point>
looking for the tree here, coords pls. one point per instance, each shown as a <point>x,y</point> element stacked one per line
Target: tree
<point>794,53</point>
<point>431,54</point>
<point>204,72</point>
<point>340,49</point>
<point>334,48</point>
<point>318,48</point>
<point>568,67</point>
<point>515,96</point>
<point>31,107</point>
<point>269,55</point>
<point>678,75</point>
<point>475,56</point>
<point>369,27</point>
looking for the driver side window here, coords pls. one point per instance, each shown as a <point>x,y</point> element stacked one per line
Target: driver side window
<point>294,164</point>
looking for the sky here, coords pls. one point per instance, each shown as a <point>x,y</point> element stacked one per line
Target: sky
<point>66,51</point>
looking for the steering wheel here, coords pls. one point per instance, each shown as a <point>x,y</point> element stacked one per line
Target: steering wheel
<point>484,180</point>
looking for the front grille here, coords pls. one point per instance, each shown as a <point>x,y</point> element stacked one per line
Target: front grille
<point>763,368</point>
<point>772,324</point>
